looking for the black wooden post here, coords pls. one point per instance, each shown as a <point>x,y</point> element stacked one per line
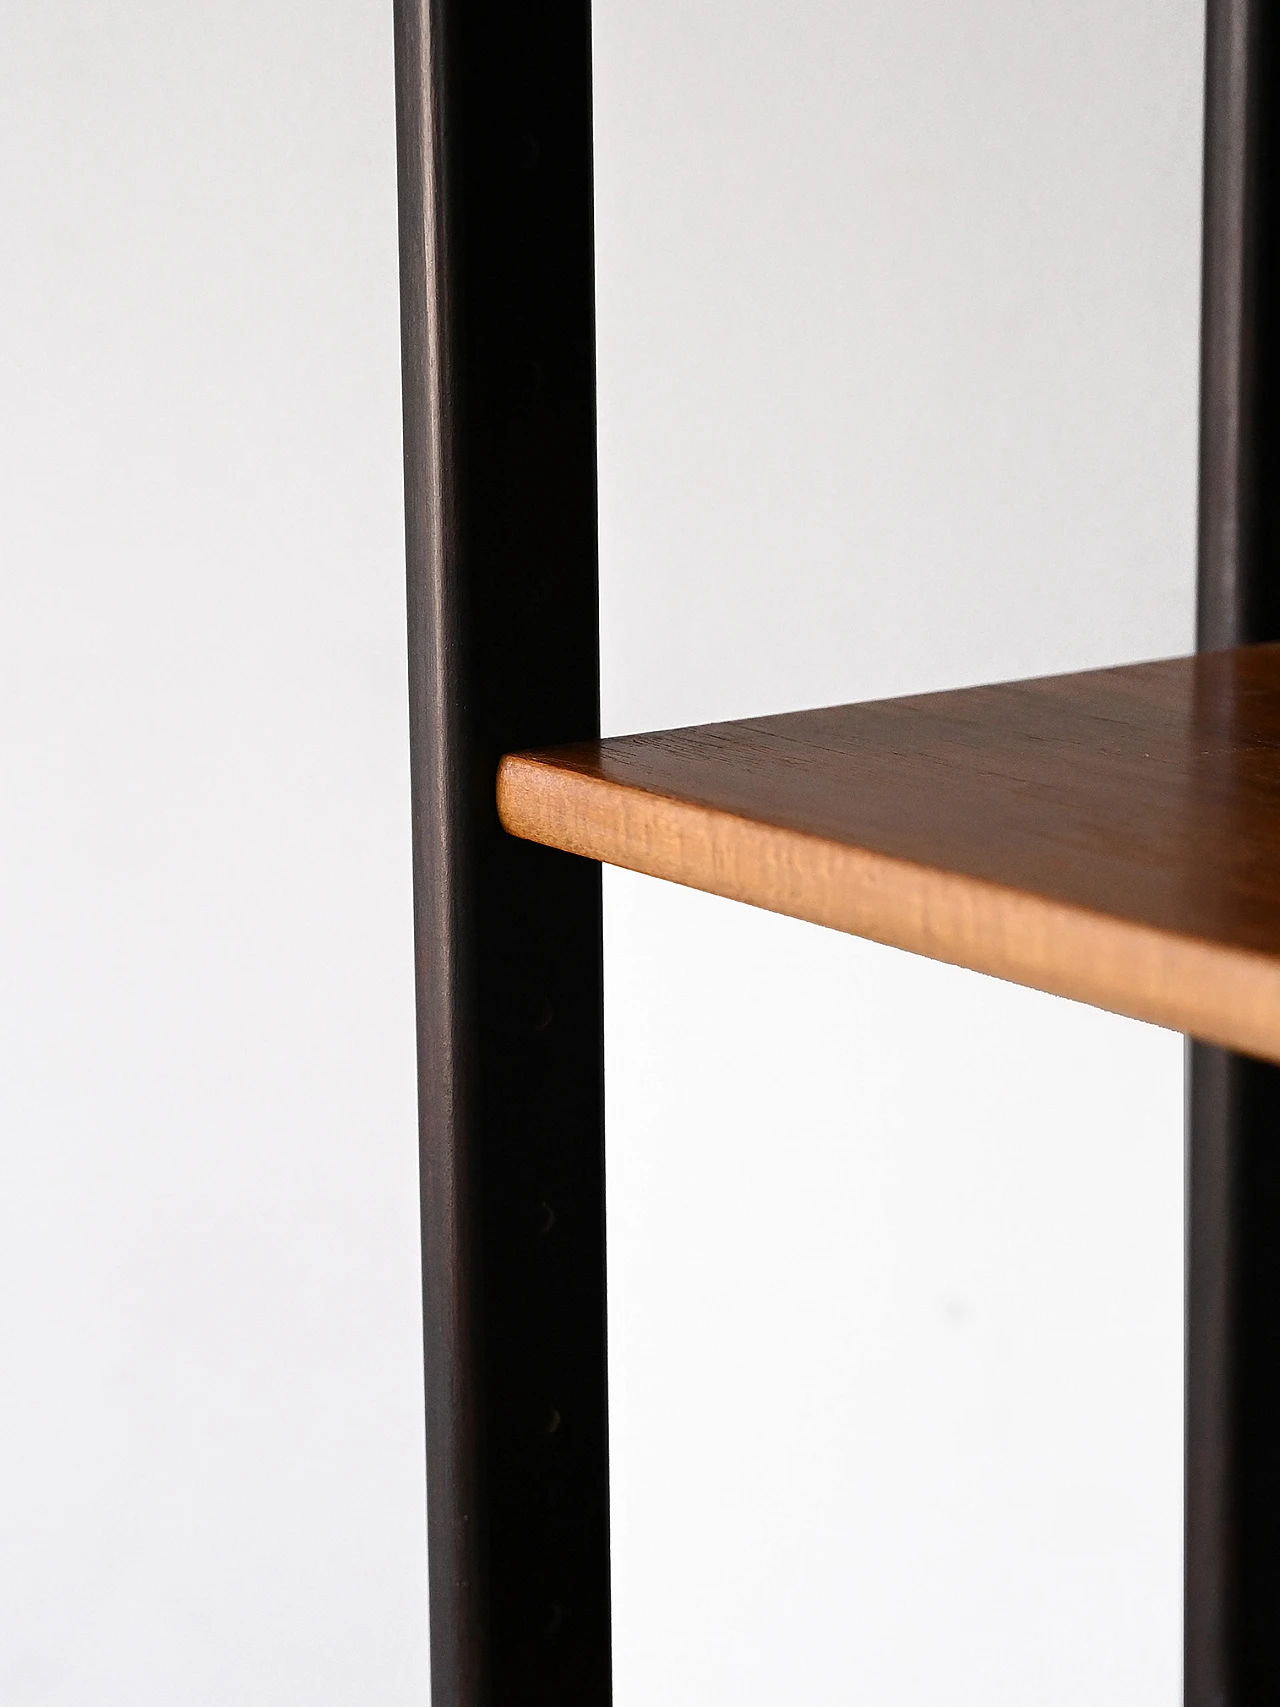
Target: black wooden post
<point>494,128</point>
<point>1232,1639</point>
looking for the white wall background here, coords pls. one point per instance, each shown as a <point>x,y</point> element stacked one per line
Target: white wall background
<point>897,317</point>
<point>897,329</point>
<point>211,1486</point>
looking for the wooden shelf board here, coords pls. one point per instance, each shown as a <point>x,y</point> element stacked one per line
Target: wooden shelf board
<point>1112,836</point>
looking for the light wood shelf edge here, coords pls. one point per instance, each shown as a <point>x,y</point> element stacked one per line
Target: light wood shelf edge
<point>1216,993</point>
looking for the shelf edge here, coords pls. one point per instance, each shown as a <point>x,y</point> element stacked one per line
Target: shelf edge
<point>1211,991</point>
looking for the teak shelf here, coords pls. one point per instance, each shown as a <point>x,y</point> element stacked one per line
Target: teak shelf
<point>1112,836</point>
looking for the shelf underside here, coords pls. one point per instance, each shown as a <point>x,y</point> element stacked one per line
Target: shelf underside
<point>1112,836</point>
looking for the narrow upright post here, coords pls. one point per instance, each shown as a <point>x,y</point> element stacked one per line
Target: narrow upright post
<point>1232,1619</point>
<point>494,132</point>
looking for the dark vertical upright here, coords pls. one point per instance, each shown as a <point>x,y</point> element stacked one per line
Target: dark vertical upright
<point>494,127</point>
<point>1232,1640</point>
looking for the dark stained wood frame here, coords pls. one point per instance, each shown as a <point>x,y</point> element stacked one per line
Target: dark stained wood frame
<point>494,140</point>
<point>494,137</point>
<point>1232,1566</point>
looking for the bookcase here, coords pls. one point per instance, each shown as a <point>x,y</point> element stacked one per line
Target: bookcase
<point>1111,836</point>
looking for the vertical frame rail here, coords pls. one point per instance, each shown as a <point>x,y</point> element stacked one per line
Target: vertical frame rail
<point>1232,1606</point>
<point>494,142</point>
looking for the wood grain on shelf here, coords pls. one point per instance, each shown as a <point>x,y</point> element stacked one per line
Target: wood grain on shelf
<point>1112,836</point>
